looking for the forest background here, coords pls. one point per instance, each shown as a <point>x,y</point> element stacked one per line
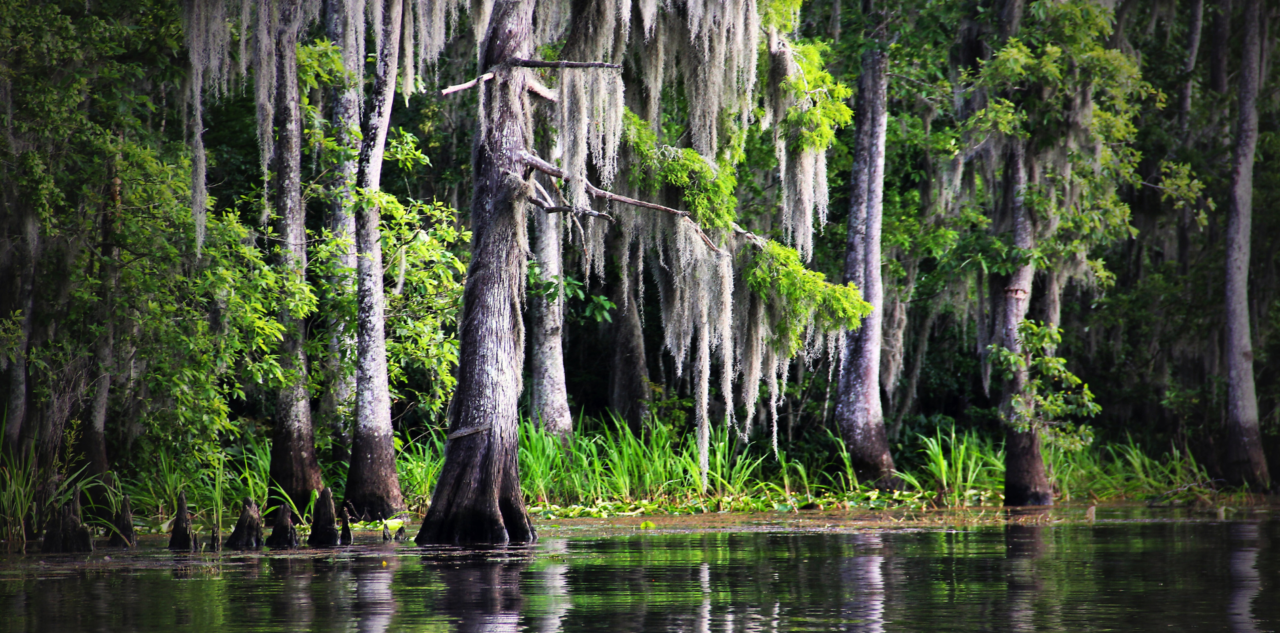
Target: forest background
<point>150,325</point>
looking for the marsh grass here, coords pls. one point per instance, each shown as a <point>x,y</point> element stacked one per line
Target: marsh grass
<point>18,483</point>
<point>963,470</point>
<point>605,469</point>
<point>418,465</point>
<point>1125,471</point>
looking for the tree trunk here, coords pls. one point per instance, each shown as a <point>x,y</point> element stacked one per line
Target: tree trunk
<point>95,444</point>
<point>628,366</point>
<point>373,487</point>
<point>1245,462</point>
<point>858,408</point>
<point>1025,481</point>
<point>1193,48</point>
<point>921,352</point>
<point>343,29</point>
<point>549,402</point>
<point>26,234</point>
<point>1221,50</point>
<point>477,498</point>
<point>293,453</point>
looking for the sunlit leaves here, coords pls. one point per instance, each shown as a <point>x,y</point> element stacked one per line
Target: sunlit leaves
<point>805,296</point>
<point>1054,398</point>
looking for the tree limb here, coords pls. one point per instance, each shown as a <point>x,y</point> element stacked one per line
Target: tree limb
<point>551,208</point>
<point>463,86</point>
<point>551,170</point>
<point>540,90</point>
<point>533,63</point>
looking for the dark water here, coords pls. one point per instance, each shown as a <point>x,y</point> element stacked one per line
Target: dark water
<point>1113,576</point>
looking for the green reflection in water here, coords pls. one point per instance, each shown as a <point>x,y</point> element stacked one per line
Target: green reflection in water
<point>1131,575</point>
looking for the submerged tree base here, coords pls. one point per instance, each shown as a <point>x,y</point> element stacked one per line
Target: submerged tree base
<point>478,498</point>
<point>66,532</point>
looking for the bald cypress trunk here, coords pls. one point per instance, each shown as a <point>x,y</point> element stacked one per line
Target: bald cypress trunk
<point>1025,481</point>
<point>1245,462</point>
<point>477,498</point>
<point>628,366</point>
<point>549,401</point>
<point>859,413</point>
<point>95,443</point>
<point>345,116</point>
<point>373,487</point>
<point>293,454</point>
<point>1220,51</point>
<point>20,281</point>
<point>1188,67</point>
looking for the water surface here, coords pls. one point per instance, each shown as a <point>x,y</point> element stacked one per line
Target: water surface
<point>1134,572</point>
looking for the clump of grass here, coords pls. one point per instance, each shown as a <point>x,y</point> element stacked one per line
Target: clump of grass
<point>18,484</point>
<point>964,470</point>
<point>418,465</point>
<point>1125,471</point>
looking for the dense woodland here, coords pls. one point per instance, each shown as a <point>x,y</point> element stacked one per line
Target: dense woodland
<point>312,235</point>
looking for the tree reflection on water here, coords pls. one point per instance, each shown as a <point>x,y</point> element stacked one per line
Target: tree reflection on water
<point>1030,574</point>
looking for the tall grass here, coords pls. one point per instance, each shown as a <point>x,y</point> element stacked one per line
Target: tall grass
<point>613,465</point>
<point>606,465</point>
<point>964,470</point>
<point>418,465</point>
<point>1125,471</point>
<point>18,483</point>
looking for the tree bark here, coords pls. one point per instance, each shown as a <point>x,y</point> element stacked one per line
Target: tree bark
<point>373,487</point>
<point>477,498</point>
<point>1193,48</point>
<point>549,401</point>
<point>859,413</point>
<point>628,366</point>
<point>95,443</point>
<point>1245,462</point>
<point>1221,51</point>
<point>293,453</point>
<point>1025,481</point>
<point>345,115</point>
<point>26,234</point>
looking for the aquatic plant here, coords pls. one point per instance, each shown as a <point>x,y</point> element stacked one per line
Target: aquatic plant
<point>964,470</point>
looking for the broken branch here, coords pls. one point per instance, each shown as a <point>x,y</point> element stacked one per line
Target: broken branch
<point>534,86</point>
<point>464,86</point>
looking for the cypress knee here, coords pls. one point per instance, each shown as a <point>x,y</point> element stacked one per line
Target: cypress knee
<point>181,538</point>
<point>324,526</point>
<point>248,531</point>
<point>123,535</point>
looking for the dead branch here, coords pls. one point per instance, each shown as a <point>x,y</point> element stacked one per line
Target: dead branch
<point>534,86</point>
<point>463,86</point>
<point>533,63</point>
<point>551,170</point>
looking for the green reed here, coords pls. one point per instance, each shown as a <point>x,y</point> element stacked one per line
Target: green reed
<point>964,470</point>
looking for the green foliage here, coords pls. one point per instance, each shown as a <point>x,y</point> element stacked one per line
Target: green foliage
<point>418,465</point>
<point>19,479</point>
<point>707,189</point>
<point>803,296</point>
<point>1124,470</point>
<point>1053,396</point>
<point>595,308</point>
<point>820,100</point>
<point>418,243</point>
<point>780,14</point>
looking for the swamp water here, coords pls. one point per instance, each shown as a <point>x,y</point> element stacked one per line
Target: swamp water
<point>1129,571</point>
